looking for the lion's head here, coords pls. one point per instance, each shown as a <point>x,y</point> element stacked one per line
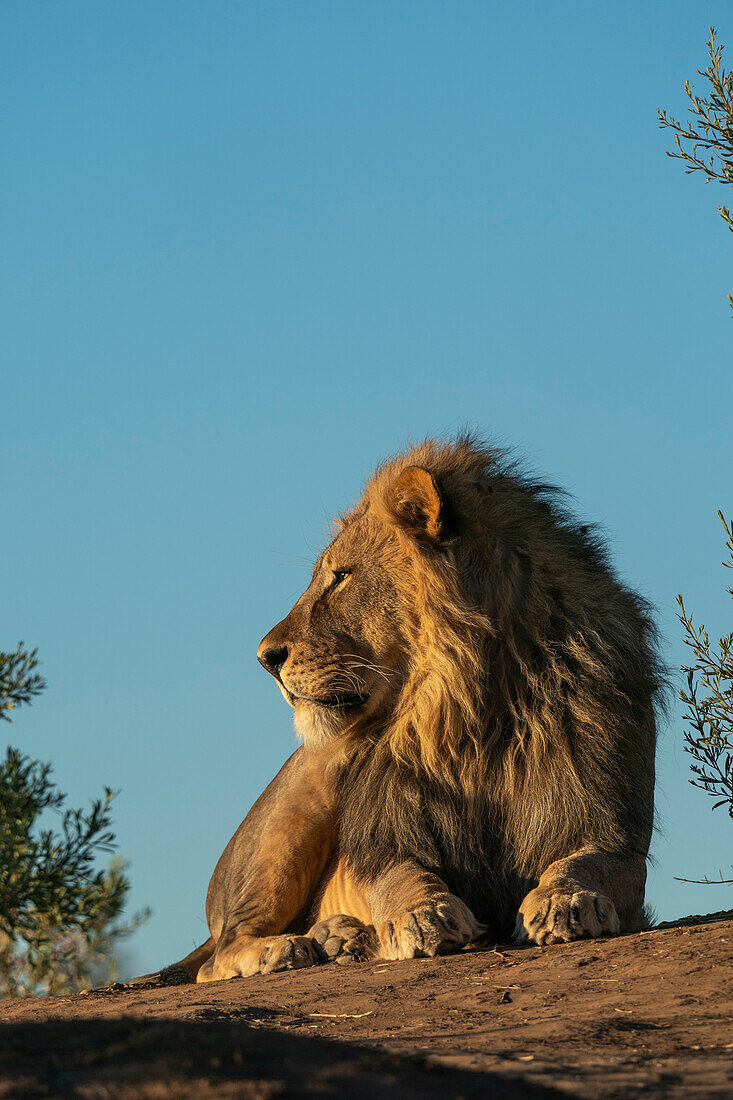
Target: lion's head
<point>339,655</point>
<point>458,603</point>
<point>384,619</point>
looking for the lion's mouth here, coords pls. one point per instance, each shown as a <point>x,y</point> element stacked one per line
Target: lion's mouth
<point>343,701</point>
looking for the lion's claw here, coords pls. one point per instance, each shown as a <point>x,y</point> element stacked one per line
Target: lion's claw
<point>435,928</point>
<point>554,916</point>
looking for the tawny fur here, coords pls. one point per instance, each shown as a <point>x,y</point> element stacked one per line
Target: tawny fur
<point>497,752</point>
<point>529,706</point>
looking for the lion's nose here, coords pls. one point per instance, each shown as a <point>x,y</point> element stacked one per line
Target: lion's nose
<point>273,659</point>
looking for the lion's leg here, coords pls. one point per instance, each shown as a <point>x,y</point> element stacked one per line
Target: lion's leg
<point>269,872</point>
<point>591,893</point>
<point>416,915</point>
<point>343,928</point>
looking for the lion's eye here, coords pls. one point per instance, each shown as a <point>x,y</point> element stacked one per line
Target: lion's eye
<point>340,575</point>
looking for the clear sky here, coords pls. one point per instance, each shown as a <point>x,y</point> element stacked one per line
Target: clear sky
<point>248,249</point>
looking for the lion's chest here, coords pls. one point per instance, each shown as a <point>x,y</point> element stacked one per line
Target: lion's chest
<point>461,839</point>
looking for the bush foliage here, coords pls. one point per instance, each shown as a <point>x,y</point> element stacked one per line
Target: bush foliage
<point>59,916</point>
<point>709,702</point>
<point>705,143</point>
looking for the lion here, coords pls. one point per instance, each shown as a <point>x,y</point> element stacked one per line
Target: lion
<point>477,696</point>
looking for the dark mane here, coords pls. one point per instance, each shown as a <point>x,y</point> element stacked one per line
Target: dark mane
<point>527,723</point>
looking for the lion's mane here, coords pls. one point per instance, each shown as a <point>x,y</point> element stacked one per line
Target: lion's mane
<point>526,724</point>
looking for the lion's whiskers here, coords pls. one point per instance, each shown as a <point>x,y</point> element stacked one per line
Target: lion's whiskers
<point>362,662</point>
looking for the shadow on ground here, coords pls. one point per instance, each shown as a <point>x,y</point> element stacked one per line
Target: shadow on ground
<point>130,1058</point>
<point>641,1014</point>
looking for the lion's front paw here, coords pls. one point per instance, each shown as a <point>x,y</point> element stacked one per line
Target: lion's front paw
<point>288,953</point>
<point>342,937</point>
<point>260,956</point>
<point>436,928</point>
<point>547,916</point>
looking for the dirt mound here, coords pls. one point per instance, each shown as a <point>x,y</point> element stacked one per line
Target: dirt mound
<point>647,1013</point>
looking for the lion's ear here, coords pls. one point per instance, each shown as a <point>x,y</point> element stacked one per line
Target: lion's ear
<point>417,503</point>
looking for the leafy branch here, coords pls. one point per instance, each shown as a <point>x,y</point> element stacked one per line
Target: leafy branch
<point>705,143</point>
<point>59,917</point>
<point>42,871</point>
<point>709,703</point>
<point>19,682</point>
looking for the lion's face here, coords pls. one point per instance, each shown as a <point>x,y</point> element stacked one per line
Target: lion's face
<point>339,655</point>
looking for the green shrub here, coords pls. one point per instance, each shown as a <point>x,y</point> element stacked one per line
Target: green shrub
<point>59,916</point>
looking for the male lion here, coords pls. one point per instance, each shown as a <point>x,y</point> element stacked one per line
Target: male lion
<point>475,691</point>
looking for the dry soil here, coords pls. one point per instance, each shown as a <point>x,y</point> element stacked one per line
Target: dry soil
<point>648,1014</point>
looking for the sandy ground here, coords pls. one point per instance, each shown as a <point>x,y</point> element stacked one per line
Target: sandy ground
<point>649,1014</point>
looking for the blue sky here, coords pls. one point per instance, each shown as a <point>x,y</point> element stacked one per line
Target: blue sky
<point>248,250</point>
